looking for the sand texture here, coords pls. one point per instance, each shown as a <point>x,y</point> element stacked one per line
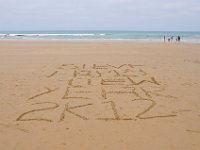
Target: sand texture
<point>99,96</point>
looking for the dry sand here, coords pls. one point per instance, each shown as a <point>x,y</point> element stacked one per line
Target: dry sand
<point>99,96</point>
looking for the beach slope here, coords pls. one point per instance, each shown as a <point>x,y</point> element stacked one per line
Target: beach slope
<point>99,95</point>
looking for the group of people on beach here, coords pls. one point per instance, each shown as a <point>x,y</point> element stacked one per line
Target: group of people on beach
<point>170,39</point>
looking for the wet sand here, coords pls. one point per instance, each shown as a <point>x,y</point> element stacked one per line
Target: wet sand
<point>99,95</point>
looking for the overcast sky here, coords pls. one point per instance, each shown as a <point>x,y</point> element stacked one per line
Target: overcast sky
<point>156,15</point>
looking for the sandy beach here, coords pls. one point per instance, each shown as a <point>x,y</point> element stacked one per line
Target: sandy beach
<point>99,96</point>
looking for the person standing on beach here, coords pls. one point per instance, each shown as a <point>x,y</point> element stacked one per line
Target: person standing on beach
<point>164,39</point>
<point>172,37</point>
<point>179,38</point>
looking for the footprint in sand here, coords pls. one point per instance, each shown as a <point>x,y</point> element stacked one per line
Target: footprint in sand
<point>7,127</point>
<point>193,131</point>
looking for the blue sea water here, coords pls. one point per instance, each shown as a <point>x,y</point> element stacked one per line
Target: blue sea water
<point>149,36</point>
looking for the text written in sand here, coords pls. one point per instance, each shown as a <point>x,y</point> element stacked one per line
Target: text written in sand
<point>99,92</point>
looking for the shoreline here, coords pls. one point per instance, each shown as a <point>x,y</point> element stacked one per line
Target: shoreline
<point>94,41</point>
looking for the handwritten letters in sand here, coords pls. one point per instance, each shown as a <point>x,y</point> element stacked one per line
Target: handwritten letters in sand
<point>98,92</point>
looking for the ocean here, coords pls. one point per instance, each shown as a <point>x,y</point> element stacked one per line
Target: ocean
<point>147,36</point>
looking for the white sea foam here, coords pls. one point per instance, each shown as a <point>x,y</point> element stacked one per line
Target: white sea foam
<point>74,34</point>
<point>2,34</point>
<point>50,34</point>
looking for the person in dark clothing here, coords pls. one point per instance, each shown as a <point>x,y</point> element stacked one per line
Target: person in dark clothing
<point>179,38</point>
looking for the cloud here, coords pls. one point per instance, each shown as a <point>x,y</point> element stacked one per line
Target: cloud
<point>98,14</point>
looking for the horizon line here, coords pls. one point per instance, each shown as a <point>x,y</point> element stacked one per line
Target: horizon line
<point>103,30</point>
